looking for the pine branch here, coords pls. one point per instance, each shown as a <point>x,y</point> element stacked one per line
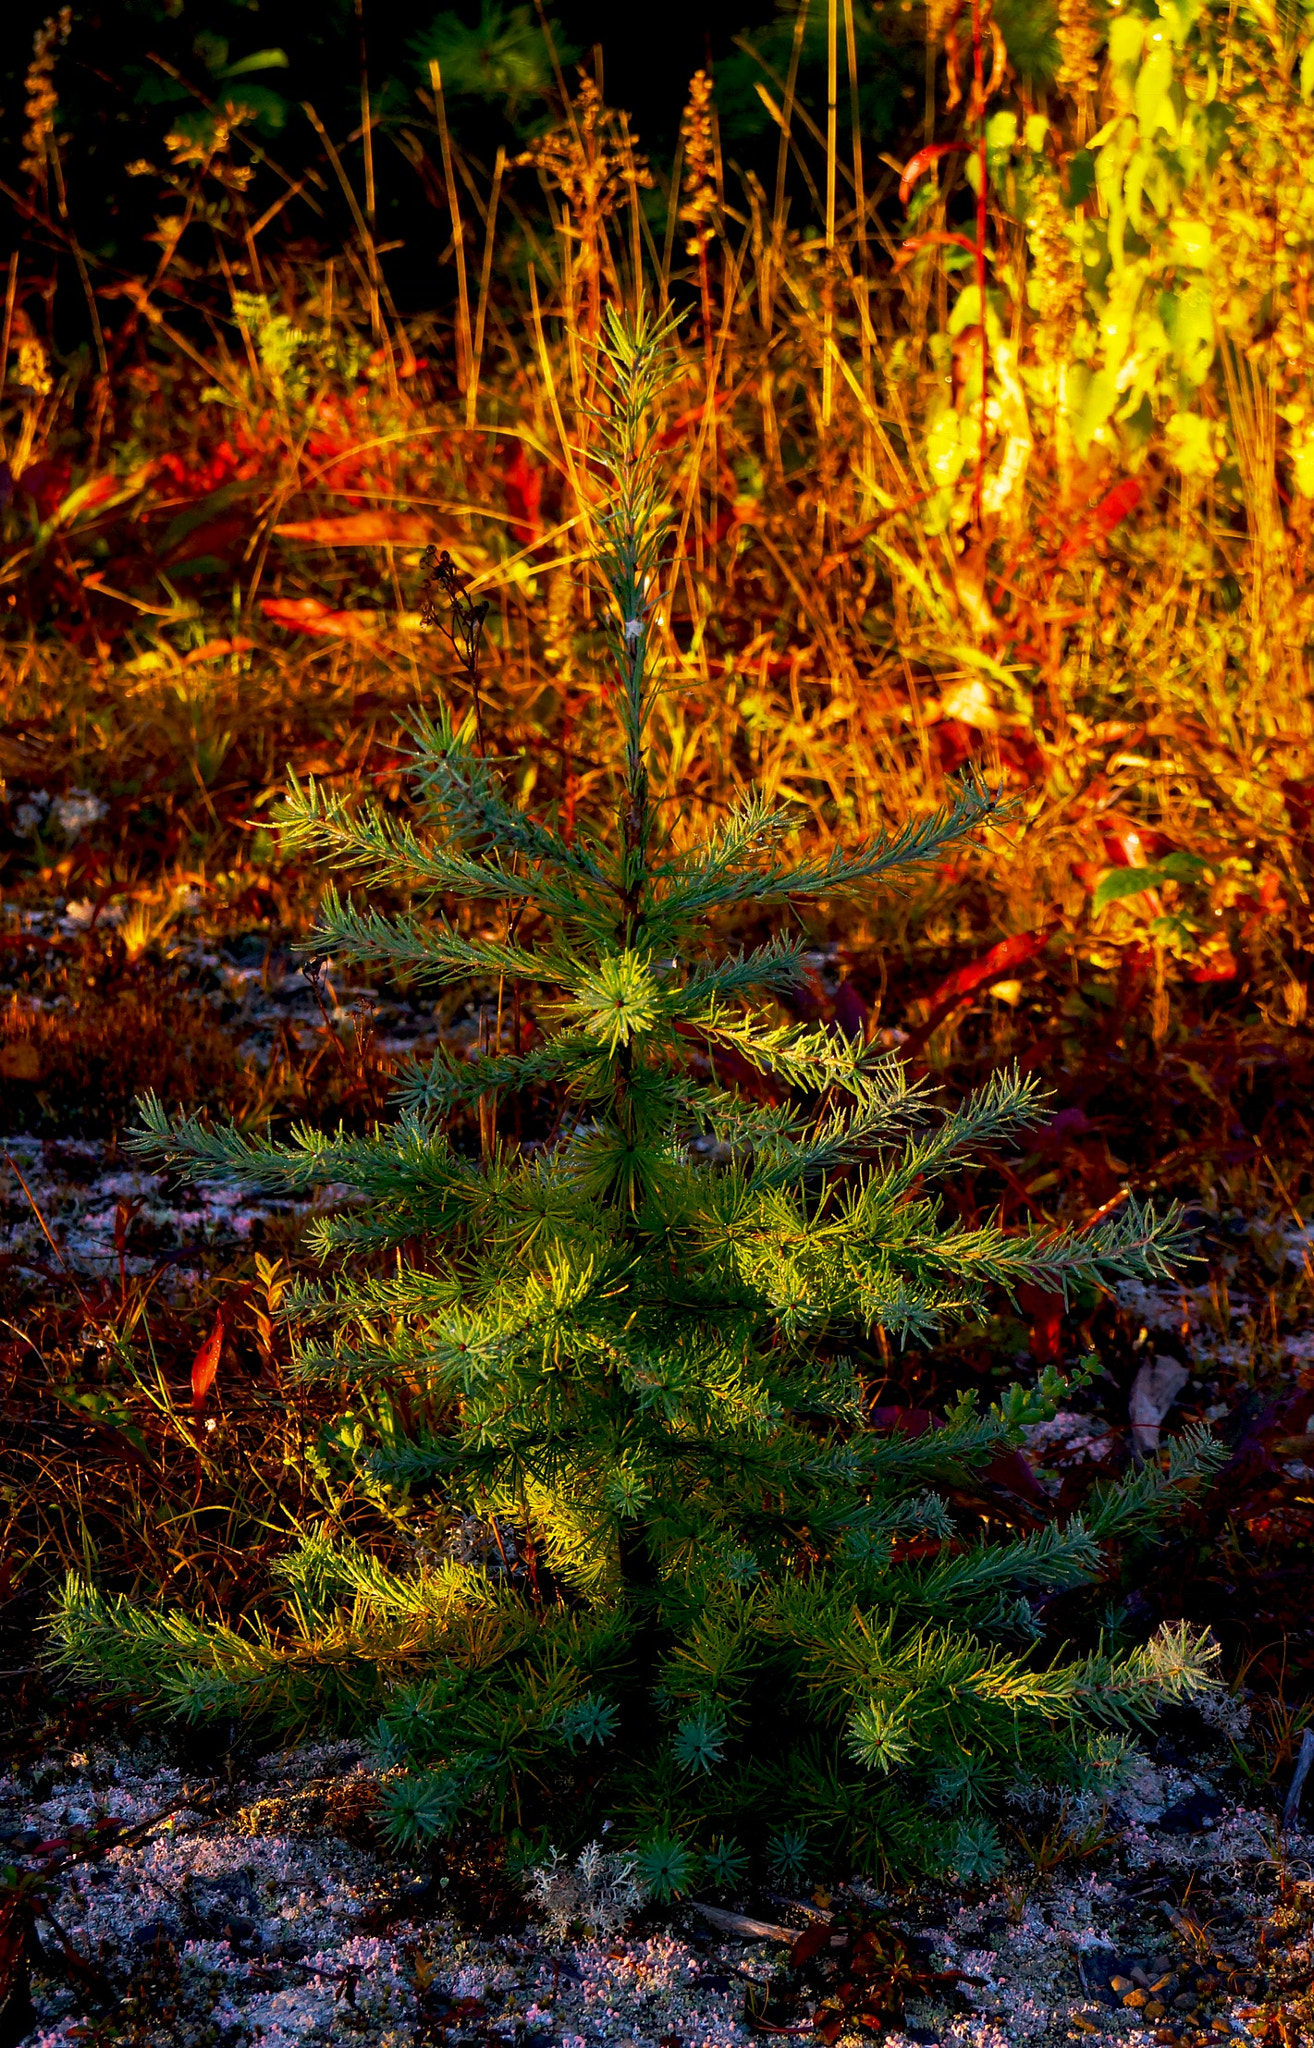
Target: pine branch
<point>463,792</point>
<point>446,1082</point>
<point>1140,1501</point>
<point>813,1057</point>
<point>387,852</point>
<point>429,950</point>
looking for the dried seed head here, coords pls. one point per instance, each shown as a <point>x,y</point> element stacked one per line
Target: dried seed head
<point>42,99</point>
<point>698,180</point>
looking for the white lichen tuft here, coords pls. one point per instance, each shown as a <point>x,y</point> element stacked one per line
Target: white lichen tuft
<point>595,1896</point>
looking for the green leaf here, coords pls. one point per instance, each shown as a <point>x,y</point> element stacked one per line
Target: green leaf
<point>259,60</point>
<point>1192,241</point>
<point>1096,407</point>
<point>1153,86</point>
<point>107,1409</point>
<point>1127,33</point>
<point>1001,137</point>
<point>1116,884</point>
<point>878,1735</point>
<point>1188,316</point>
<point>665,1867</point>
<point>1183,867</point>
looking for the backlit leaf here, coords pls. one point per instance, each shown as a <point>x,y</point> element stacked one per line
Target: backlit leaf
<point>1153,85</point>
<point>206,1363</point>
<point>360,529</point>
<point>1122,882</point>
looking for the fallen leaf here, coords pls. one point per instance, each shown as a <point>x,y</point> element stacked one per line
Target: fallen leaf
<point>360,529</point>
<point>971,704</point>
<point>212,649</point>
<point>1112,509</point>
<point>20,1061</point>
<point>1155,1388</point>
<point>994,965</point>
<point>1216,963</point>
<point>312,615</point>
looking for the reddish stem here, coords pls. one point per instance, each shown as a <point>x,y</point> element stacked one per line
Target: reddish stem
<point>978,95</point>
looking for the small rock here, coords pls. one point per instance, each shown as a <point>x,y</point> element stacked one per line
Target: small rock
<point>1153,2009</point>
<point>154,1934</point>
<point>1135,1999</point>
<point>1121,1984</point>
<point>1185,2001</point>
<point>1190,1816</point>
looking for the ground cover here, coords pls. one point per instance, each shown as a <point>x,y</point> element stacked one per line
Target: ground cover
<point>211,566</point>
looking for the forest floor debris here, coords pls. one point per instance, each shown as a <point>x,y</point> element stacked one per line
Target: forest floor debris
<point>257,1908</point>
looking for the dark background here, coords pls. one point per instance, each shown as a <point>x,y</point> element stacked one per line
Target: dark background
<point>116,104</point>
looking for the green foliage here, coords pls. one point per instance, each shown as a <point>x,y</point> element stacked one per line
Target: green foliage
<point>505,57</point>
<point>642,1355</point>
<point>752,80</point>
<point>235,99</point>
<point>1147,267</point>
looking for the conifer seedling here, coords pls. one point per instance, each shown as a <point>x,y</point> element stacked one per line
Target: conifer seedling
<point>723,1611</point>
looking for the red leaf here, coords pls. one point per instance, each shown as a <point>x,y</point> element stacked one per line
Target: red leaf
<point>206,1362</point>
<point>1000,960</point>
<point>212,649</point>
<point>1129,844</point>
<point>1299,800</point>
<point>1110,512</point>
<point>522,487</point>
<point>810,1943</point>
<point>1046,1312</point>
<point>1219,966</point>
<point>850,1010</point>
<point>994,965</point>
<point>917,166</point>
<point>312,615</point>
<point>936,240</point>
<point>1117,503</point>
<point>907,1421</point>
<point>1008,1469</point>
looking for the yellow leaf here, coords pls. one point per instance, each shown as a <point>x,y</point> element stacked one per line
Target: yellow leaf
<point>1190,443</point>
<point>971,704</point>
<point>1154,109</point>
<point>944,450</point>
